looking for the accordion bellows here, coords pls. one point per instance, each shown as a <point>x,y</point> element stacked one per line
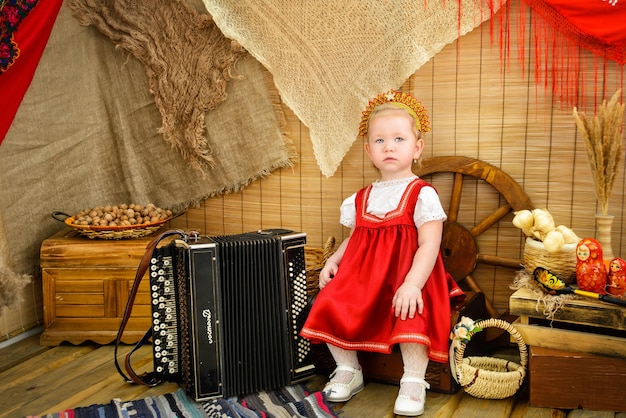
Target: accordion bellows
<point>227,312</point>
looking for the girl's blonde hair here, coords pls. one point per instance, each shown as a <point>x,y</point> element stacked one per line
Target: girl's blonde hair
<point>389,108</point>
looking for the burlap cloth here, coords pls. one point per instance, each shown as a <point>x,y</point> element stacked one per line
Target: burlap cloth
<point>187,59</point>
<point>328,58</point>
<point>86,134</point>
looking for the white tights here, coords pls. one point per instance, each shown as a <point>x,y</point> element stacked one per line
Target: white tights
<point>414,357</point>
<point>343,358</point>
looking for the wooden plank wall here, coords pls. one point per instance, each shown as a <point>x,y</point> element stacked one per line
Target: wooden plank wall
<point>480,107</point>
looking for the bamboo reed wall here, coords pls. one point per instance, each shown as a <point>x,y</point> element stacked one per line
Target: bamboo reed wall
<point>480,107</point>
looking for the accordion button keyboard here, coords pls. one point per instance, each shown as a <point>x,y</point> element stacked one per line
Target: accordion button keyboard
<point>297,277</point>
<point>165,336</point>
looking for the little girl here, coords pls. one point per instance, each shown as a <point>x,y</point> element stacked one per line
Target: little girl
<point>386,284</point>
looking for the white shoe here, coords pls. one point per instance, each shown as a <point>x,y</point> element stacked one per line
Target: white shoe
<point>411,406</point>
<point>341,392</point>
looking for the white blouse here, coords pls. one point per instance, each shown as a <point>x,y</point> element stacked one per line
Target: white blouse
<point>385,196</point>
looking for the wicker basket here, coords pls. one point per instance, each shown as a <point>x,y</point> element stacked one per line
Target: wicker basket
<point>561,264</point>
<point>315,258</point>
<point>110,232</point>
<point>491,377</point>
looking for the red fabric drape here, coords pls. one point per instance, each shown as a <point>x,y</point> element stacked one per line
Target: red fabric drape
<point>572,43</point>
<point>31,38</point>
<point>598,26</point>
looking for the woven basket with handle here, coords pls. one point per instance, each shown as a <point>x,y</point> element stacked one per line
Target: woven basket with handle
<point>491,377</point>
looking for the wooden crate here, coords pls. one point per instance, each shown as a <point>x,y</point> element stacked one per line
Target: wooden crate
<point>580,325</point>
<point>388,368</point>
<point>86,283</point>
<point>573,380</point>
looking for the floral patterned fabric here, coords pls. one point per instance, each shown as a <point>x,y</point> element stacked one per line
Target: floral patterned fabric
<point>24,32</point>
<point>11,15</point>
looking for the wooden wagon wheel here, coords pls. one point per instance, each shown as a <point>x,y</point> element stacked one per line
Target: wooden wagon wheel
<point>459,248</point>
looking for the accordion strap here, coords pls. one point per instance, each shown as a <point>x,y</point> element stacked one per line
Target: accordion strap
<point>132,377</point>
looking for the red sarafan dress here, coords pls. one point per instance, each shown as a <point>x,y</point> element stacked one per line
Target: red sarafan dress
<point>354,310</point>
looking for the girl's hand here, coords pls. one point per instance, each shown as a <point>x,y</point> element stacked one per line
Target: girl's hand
<point>327,273</point>
<point>407,301</point>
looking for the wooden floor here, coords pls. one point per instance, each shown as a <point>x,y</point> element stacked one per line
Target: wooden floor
<point>36,380</point>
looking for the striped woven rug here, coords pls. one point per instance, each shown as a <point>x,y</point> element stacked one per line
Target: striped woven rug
<point>290,401</point>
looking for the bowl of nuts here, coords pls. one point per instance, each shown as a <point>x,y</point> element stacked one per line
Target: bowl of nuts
<point>117,221</point>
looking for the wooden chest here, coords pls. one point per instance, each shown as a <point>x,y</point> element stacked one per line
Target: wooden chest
<point>572,380</point>
<point>578,359</point>
<point>86,283</point>
<point>388,368</point>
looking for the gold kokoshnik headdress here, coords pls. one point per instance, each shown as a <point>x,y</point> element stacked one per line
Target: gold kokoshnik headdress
<point>400,100</point>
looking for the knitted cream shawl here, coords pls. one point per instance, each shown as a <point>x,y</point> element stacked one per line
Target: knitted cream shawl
<point>328,58</point>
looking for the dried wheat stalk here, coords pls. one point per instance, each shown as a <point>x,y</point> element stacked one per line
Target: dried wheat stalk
<point>603,141</point>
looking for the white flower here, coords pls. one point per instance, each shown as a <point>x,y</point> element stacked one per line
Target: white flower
<point>467,322</point>
<point>463,331</point>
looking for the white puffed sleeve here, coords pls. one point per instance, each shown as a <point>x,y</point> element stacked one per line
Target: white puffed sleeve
<point>348,212</point>
<point>428,207</point>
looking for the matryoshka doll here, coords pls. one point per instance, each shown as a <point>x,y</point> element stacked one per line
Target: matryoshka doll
<point>591,271</point>
<point>616,283</point>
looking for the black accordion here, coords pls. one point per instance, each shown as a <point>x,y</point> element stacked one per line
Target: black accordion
<point>227,312</point>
